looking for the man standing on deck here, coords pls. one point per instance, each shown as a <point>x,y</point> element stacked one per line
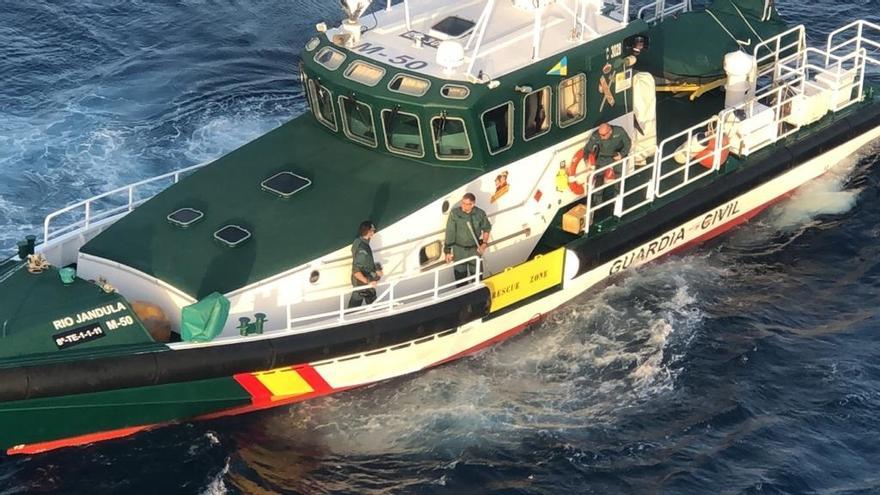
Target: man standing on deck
<point>364,270</point>
<point>608,144</point>
<point>467,235</point>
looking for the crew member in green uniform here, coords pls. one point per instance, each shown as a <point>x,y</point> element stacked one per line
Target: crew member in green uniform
<point>364,270</point>
<point>467,235</point>
<point>609,144</point>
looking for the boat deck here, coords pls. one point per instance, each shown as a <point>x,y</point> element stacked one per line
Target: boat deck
<point>507,43</point>
<point>320,219</point>
<point>33,309</point>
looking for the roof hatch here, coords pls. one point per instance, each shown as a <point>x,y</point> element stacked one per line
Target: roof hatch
<point>451,27</point>
<point>285,184</point>
<point>232,235</point>
<point>185,217</point>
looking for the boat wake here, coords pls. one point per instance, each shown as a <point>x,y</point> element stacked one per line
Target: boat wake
<point>811,206</point>
<point>88,107</point>
<point>600,356</point>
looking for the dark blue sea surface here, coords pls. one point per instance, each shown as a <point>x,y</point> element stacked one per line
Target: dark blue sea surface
<point>750,365</point>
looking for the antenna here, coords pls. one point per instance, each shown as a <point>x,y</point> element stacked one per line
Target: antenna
<point>353,9</point>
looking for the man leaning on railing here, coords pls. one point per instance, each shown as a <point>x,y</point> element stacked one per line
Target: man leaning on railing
<point>364,269</point>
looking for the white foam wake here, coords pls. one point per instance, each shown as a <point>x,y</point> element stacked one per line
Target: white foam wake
<point>601,354</point>
<point>826,195</point>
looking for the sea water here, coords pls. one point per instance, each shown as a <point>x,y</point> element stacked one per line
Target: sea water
<point>749,365</point>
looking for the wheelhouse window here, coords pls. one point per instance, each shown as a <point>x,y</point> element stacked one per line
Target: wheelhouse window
<point>498,124</point>
<point>357,120</point>
<point>403,134</point>
<point>572,100</point>
<point>409,85</point>
<point>450,138</point>
<point>330,58</point>
<point>322,104</point>
<point>535,107</point>
<point>454,91</point>
<point>364,73</point>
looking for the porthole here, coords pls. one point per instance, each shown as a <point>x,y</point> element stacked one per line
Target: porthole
<point>455,92</point>
<point>445,206</point>
<point>330,58</point>
<point>430,253</point>
<point>314,276</point>
<point>364,73</point>
<point>409,85</point>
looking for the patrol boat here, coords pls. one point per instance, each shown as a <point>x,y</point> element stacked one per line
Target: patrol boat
<point>223,288</point>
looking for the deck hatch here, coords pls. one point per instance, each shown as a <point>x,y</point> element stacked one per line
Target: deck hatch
<point>185,217</point>
<point>285,184</point>
<point>232,235</point>
<point>452,27</point>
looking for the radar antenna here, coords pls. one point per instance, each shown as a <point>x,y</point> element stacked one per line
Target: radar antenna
<point>353,9</point>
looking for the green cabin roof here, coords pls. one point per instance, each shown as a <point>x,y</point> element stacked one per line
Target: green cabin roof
<point>348,185</point>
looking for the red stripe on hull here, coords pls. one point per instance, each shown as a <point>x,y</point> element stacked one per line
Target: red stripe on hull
<point>37,448</point>
<point>314,379</point>
<point>259,393</point>
<point>307,372</point>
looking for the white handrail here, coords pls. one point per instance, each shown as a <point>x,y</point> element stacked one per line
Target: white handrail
<point>859,39</point>
<point>661,10</point>
<point>90,216</point>
<point>775,48</point>
<point>389,301</point>
<point>698,134</point>
<point>795,68</point>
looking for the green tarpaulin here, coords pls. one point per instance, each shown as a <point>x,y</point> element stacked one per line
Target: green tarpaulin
<point>204,320</point>
<point>691,46</point>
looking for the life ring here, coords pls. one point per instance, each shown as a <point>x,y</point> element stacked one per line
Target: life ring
<point>706,156</point>
<point>573,185</point>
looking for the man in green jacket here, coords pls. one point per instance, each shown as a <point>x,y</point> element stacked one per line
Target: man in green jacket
<point>364,270</point>
<point>609,144</point>
<point>467,235</point>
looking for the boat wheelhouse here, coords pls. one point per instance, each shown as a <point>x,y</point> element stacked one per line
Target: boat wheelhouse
<point>222,288</point>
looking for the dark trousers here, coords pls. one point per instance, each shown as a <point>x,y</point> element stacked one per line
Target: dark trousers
<point>464,270</point>
<point>606,194</point>
<point>363,296</point>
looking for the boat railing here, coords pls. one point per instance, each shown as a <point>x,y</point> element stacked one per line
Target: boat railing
<point>855,36</point>
<point>771,53</point>
<point>655,12</point>
<point>617,10</point>
<point>805,85</point>
<point>84,214</point>
<point>392,296</point>
<point>687,156</point>
<point>604,184</point>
